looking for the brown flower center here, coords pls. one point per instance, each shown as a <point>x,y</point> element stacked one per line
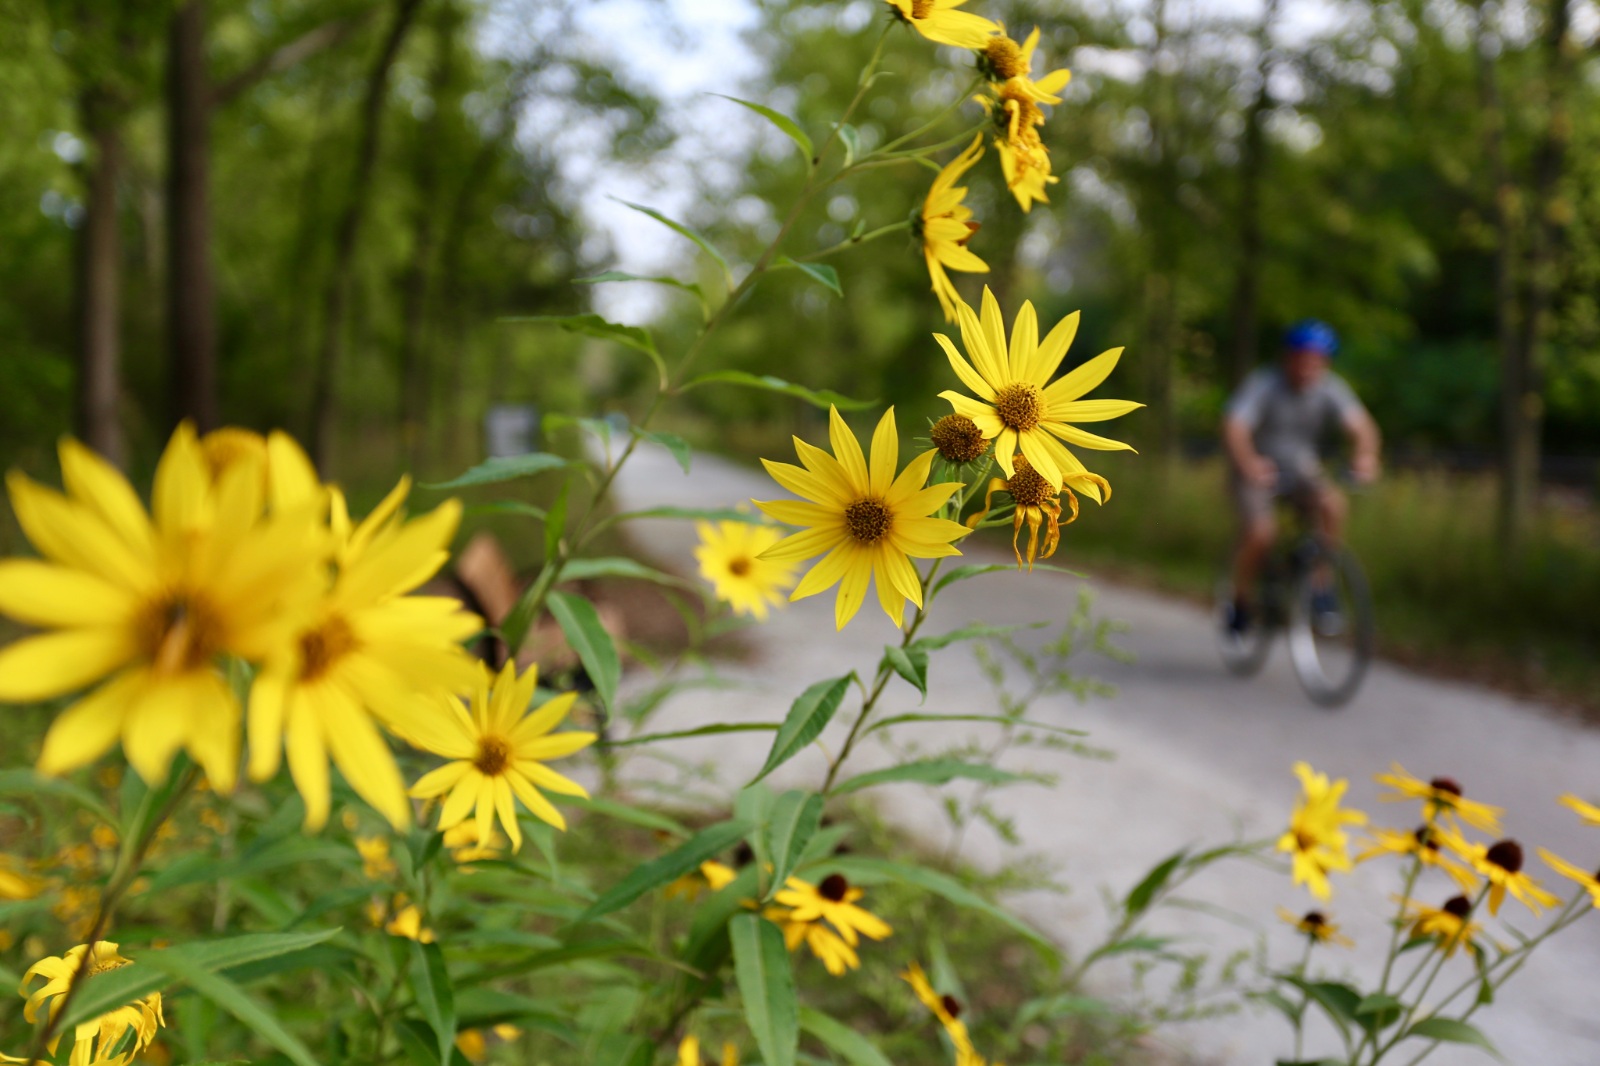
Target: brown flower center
<point>739,567</point>
<point>833,888</point>
<point>180,633</point>
<point>1424,835</point>
<point>1507,855</point>
<point>868,520</point>
<point>1019,405</point>
<point>921,9</point>
<point>1445,784</point>
<point>494,755</point>
<point>1027,486</point>
<point>951,1005</point>
<point>1315,919</point>
<point>958,439</point>
<point>1002,59</point>
<point>1458,906</point>
<point>324,646</point>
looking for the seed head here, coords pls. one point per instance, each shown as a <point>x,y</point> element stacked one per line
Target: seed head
<point>1507,855</point>
<point>1001,59</point>
<point>1458,906</point>
<point>1445,784</point>
<point>958,439</point>
<point>1027,486</point>
<point>867,520</point>
<point>833,888</point>
<point>952,1005</point>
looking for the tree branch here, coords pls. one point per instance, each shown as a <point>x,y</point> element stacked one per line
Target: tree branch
<point>280,59</point>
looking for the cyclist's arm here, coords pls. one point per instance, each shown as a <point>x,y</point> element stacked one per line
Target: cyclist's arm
<point>1366,444</point>
<point>1238,440</point>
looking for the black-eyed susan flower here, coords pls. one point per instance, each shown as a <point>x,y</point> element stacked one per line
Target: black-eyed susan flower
<point>1423,843</point>
<point>709,876</point>
<point>1450,927</point>
<point>943,1007</point>
<point>1005,62</point>
<point>103,1040</point>
<point>870,523</point>
<point>958,439</point>
<point>1316,839</point>
<point>689,1053</point>
<point>1017,405</point>
<point>499,751</point>
<point>1587,811</point>
<point>1500,864</point>
<point>1038,502</point>
<point>1589,882</point>
<point>940,21</point>
<point>1442,795</point>
<point>945,225</point>
<point>372,654</point>
<point>152,603</point>
<point>729,554</point>
<point>826,919</point>
<point>1316,926</point>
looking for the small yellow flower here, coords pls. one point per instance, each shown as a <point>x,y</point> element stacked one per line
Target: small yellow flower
<point>1018,406</point>
<point>710,876</point>
<point>1450,926</point>
<point>1589,882</point>
<point>1500,864</point>
<point>945,1008</point>
<point>1424,844</point>
<point>17,883</point>
<point>940,22</point>
<point>376,865</point>
<point>870,523</point>
<point>1316,925</point>
<point>499,751</point>
<point>474,1043</point>
<point>1440,796</point>
<point>407,922</point>
<point>689,1053</point>
<point>1587,811</point>
<point>806,912</point>
<point>94,1040</point>
<point>944,227</point>
<point>729,554</point>
<point>1003,61</point>
<point>1316,837</point>
<point>1037,501</point>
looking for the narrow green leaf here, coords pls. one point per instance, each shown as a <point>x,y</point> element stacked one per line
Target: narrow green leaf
<point>618,566</point>
<point>794,820</point>
<point>972,632</point>
<point>702,514</point>
<point>997,719</point>
<point>851,139</point>
<point>806,719</point>
<point>821,273</point>
<point>816,397</point>
<point>1379,1011</point>
<point>929,772</point>
<point>516,507</point>
<point>971,570</point>
<point>28,782</point>
<point>698,731</point>
<point>555,527</point>
<point>682,230</point>
<point>591,325</point>
<point>911,664</point>
<point>658,279</point>
<point>430,983</point>
<point>1338,1001</point>
<point>789,126</point>
<point>704,845</point>
<point>671,442</point>
<point>622,812</point>
<point>1144,893</point>
<point>503,468</point>
<point>233,999</point>
<point>766,987</point>
<point>581,624</point>
<point>842,1040</point>
<point>1453,1031</point>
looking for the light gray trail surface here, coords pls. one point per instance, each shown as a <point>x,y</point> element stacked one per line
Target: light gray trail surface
<point>1200,758</point>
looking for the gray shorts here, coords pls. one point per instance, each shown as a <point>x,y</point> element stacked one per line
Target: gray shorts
<point>1253,502</point>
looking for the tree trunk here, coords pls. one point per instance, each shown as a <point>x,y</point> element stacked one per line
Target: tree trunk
<point>191,286</point>
<point>1160,290</point>
<point>99,386</point>
<point>336,301</point>
<point>1245,342</point>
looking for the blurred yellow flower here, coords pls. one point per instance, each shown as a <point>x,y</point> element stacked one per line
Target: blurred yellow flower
<point>1003,61</point>
<point>16,882</point>
<point>944,226</point>
<point>940,22</point>
<point>944,1008</point>
<point>1316,926</point>
<point>153,601</point>
<point>1587,811</point>
<point>1450,926</point>
<point>803,908</point>
<point>474,1043</point>
<point>462,842</point>
<point>709,876</point>
<point>870,523</point>
<point>729,554</point>
<point>1018,407</point>
<point>1500,864</point>
<point>1424,844</point>
<point>1316,838</point>
<point>689,1053</point>
<point>1440,796</point>
<point>499,751</point>
<point>1038,502</point>
<point>376,865</point>
<point>1589,882</point>
<point>407,922</point>
<point>370,655</point>
<point>96,1041</point>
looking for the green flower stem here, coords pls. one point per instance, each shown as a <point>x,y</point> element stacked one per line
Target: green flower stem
<point>1441,956</point>
<point>1305,999</point>
<point>944,113</point>
<point>1412,872</point>
<point>852,242</point>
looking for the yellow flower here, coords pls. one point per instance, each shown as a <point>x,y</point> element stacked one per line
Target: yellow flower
<point>689,1053</point>
<point>1442,795</point>
<point>499,751</point>
<point>944,1008</point>
<point>1587,811</point>
<point>17,883</point>
<point>1589,882</point>
<point>944,227</point>
<point>376,865</point>
<point>1316,837</point>
<point>1315,925</point>
<point>370,655</point>
<point>1501,865</point>
<point>407,922</point>
<point>940,22</point>
<point>1024,160</point>
<point>1037,501</point>
<point>1018,407</point>
<point>730,558</point>
<point>710,876</point>
<point>1003,61</point>
<point>224,447</point>
<point>832,902</point>
<point>154,601</point>
<point>474,1043</point>
<point>95,1040</point>
<point>1424,844</point>
<point>1450,926</point>
<point>870,522</point>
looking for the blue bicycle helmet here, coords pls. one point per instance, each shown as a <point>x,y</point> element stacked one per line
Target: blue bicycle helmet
<point>1310,333</point>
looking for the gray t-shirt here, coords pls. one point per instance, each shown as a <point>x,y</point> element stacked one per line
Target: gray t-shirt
<point>1286,425</point>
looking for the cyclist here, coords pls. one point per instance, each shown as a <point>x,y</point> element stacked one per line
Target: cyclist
<point>1271,431</point>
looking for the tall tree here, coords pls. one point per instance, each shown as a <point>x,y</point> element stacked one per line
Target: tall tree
<point>1244,342</point>
<point>191,285</point>
<point>99,287</point>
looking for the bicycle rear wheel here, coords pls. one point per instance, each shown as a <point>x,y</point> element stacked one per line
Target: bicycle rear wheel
<point>1330,626</point>
<point>1243,654</point>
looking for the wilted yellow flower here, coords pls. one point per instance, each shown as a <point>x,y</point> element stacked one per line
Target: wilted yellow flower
<point>1589,882</point>
<point>870,523</point>
<point>944,227</point>
<point>500,751</point>
<point>940,22</point>
<point>95,1040</point>
<point>1500,864</point>
<point>806,911</point>
<point>1442,795</point>
<point>689,1053</point>
<point>1450,926</point>
<point>1024,160</point>
<point>708,876</point>
<point>1316,838</point>
<point>153,601</point>
<point>729,554</point>
<point>1038,502</point>
<point>1424,844</point>
<point>1018,407</point>
<point>1315,925</point>
<point>1005,62</point>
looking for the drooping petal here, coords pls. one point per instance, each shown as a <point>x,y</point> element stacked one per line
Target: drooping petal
<point>537,805</point>
<point>889,597</point>
<point>266,713</point>
<point>89,728</point>
<point>211,728</point>
<point>1005,450</point>
<point>364,759</point>
<point>308,754</point>
<point>902,574</point>
<point>506,807</point>
<point>461,799</point>
<point>1037,452</point>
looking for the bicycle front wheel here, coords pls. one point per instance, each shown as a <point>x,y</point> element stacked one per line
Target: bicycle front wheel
<point>1330,626</point>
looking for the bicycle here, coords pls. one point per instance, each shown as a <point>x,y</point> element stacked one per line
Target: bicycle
<point>1316,593</point>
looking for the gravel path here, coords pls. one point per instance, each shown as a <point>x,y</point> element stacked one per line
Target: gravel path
<point>1200,756</point>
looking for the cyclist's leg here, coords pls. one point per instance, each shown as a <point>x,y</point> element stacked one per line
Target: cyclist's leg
<point>1258,529</point>
<point>1330,508</point>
